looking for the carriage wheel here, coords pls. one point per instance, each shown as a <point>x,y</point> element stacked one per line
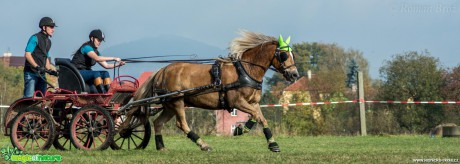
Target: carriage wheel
<point>135,138</point>
<point>62,140</point>
<point>92,128</point>
<point>32,129</point>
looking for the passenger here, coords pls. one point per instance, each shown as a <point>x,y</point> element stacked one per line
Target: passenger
<point>37,58</point>
<point>87,56</point>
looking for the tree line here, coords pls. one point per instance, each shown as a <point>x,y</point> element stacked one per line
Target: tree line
<point>407,76</point>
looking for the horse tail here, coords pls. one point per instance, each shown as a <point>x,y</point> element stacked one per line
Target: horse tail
<point>146,89</point>
<point>140,113</point>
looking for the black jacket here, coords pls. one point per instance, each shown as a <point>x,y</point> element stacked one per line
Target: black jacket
<point>40,53</point>
<point>83,61</point>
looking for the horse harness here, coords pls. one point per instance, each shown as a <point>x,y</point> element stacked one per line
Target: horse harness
<point>244,80</point>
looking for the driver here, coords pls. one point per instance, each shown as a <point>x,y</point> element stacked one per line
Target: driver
<point>87,56</point>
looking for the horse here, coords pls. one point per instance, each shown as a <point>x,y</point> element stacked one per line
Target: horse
<point>252,53</point>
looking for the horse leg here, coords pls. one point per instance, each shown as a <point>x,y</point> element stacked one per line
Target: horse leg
<point>158,124</point>
<point>181,123</point>
<point>272,145</point>
<point>246,128</point>
<point>256,113</point>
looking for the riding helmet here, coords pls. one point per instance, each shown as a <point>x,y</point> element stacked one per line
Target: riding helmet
<point>97,34</point>
<point>46,21</point>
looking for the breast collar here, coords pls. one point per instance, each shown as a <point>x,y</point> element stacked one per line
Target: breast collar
<point>244,80</point>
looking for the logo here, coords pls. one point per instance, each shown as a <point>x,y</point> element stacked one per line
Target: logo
<point>16,155</point>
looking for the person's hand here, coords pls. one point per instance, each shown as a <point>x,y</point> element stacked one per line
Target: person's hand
<point>52,72</point>
<point>121,63</point>
<point>117,59</point>
<point>40,70</point>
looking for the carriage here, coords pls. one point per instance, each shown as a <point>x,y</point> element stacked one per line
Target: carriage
<point>73,116</point>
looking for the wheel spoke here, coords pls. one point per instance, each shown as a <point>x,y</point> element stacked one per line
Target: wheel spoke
<point>27,120</point>
<point>84,132</point>
<point>139,130</point>
<point>20,138</point>
<point>133,142</point>
<point>123,141</point>
<point>20,123</point>
<point>100,139</point>
<point>117,139</point>
<point>94,142</point>
<point>129,143</point>
<point>82,118</point>
<point>27,141</point>
<point>81,139</point>
<point>65,142</point>
<point>38,145</point>
<point>88,142</point>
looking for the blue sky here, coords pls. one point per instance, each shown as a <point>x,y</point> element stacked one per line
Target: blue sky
<point>378,28</point>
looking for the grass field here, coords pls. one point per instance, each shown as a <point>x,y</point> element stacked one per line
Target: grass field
<point>253,149</point>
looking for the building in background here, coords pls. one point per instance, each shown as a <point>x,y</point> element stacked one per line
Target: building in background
<point>12,61</point>
<point>226,122</point>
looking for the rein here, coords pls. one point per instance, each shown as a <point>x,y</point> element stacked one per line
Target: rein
<point>200,61</point>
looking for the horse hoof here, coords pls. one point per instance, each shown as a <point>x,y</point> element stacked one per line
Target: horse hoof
<point>275,149</point>
<point>207,148</point>
<point>238,131</point>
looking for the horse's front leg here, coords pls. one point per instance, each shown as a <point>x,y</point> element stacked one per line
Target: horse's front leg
<point>256,113</point>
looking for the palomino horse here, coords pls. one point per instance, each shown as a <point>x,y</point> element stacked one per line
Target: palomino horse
<point>254,52</point>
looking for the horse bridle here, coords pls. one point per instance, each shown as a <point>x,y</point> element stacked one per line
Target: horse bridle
<point>280,56</point>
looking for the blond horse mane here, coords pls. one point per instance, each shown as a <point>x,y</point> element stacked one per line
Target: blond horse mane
<point>247,41</point>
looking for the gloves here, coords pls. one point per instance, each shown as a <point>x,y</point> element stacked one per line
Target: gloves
<point>52,72</point>
<point>40,70</point>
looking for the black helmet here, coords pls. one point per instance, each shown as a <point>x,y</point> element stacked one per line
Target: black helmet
<point>97,34</point>
<point>46,21</point>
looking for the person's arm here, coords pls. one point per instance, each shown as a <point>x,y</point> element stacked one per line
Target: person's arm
<point>31,44</point>
<point>30,59</point>
<point>48,64</point>
<point>102,60</point>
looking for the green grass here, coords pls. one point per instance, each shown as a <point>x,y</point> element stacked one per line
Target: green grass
<point>253,149</point>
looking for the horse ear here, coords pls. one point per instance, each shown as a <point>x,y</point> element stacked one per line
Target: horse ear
<point>288,40</point>
<point>281,42</point>
<point>280,39</point>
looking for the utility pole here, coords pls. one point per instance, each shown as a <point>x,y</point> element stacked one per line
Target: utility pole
<point>362,111</point>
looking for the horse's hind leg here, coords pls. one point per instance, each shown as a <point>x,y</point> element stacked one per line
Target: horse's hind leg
<point>158,124</point>
<point>181,123</point>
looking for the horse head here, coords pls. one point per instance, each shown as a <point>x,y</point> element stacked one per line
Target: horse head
<point>283,60</point>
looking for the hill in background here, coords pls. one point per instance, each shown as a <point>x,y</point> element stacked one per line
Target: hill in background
<point>156,46</point>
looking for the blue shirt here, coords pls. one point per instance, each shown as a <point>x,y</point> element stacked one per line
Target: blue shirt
<point>86,49</point>
<point>32,43</point>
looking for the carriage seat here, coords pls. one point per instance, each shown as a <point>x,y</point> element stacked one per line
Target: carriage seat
<point>70,78</point>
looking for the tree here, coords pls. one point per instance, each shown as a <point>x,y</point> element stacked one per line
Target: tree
<point>413,76</point>
<point>451,91</point>
<point>328,62</point>
<point>352,73</point>
<point>11,84</point>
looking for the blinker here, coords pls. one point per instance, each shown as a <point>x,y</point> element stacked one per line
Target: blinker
<point>283,56</point>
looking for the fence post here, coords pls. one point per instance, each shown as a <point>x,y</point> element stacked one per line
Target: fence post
<point>362,114</point>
